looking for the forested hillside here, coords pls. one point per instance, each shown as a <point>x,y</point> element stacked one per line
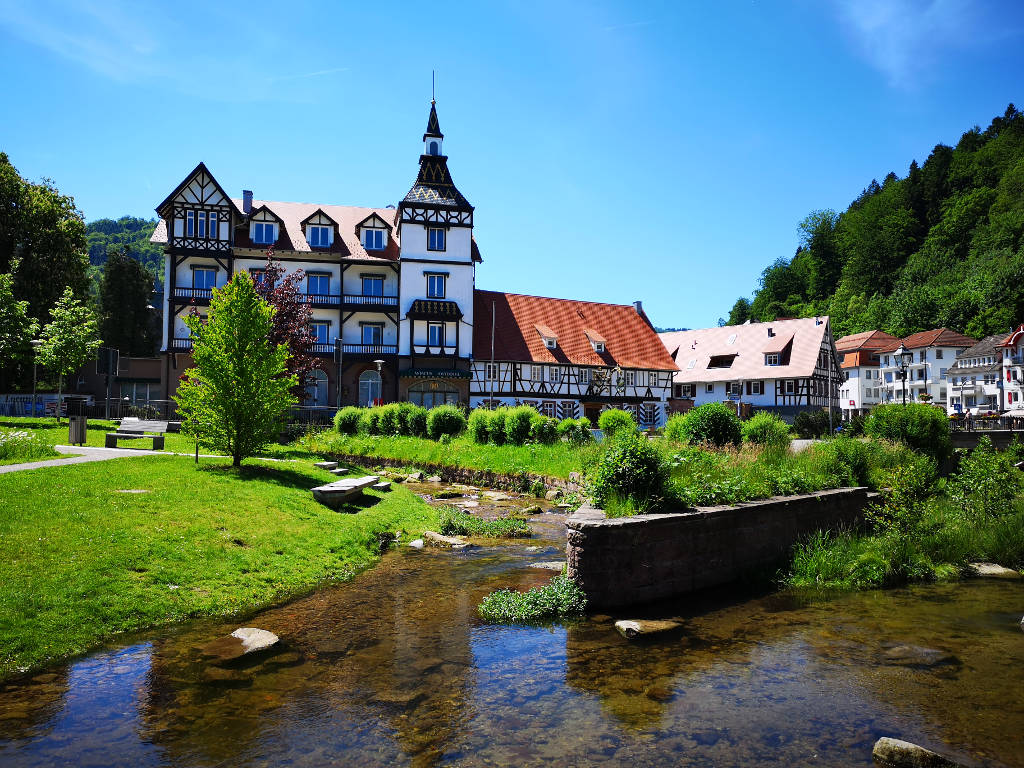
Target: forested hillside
<point>942,246</point>
<point>104,234</point>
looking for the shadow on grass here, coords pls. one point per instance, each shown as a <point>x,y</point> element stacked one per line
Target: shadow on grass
<point>286,478</point>
<point>362,502</point>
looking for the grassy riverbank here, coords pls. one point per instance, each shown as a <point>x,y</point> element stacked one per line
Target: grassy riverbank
<point>84,560</point>
<point>555,460</point>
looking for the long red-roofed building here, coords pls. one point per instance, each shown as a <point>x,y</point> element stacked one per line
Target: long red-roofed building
<point>568,358</point>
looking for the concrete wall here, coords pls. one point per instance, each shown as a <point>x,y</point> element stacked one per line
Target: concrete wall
<point>633,560</point>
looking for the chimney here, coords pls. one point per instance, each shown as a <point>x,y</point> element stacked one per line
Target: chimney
<point>246,201</point>
<point>639,307</point>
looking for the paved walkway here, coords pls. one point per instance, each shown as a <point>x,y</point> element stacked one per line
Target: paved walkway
<point>80,454</point>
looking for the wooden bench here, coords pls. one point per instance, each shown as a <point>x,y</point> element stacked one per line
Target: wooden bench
<point>136,429</point>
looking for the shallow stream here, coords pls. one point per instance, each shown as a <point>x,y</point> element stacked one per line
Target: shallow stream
<point>394,668</point>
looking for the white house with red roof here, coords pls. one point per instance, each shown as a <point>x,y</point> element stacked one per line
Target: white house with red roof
<point>785,366</point>
<point>928,356</point>
<point>568,358</point>
<point>861,366</point>
<point>1012,349</point>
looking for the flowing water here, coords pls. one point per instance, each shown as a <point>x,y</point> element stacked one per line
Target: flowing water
<point>395,669</point>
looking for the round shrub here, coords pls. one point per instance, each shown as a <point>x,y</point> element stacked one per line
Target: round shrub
<point>764,428</point>
<point>445,420</point>
<point>369,421</point>
<point>614,419</point>
<point>403,411</point>
<point>922,428</point>
<point>575,431</point>
<point>544,429</point>
<point>388,422</point>
<point>416,421</point>
<point>346,421</point>
<point>517,424</point>
<point>812,424</point>
<point>496,425</point>
<point>478,425</point>
<point>713,423</point>
<point>630,466</point>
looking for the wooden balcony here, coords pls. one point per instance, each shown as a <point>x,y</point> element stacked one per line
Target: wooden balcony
<point>361,303</point>
<point>192,295</point>
<point>180,345</point>
<point>321,299</point>
<point>377,350</point>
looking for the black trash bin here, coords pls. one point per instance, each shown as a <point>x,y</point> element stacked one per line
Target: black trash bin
<point>77,426</point>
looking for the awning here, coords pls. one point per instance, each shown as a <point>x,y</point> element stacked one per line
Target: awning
<point>434,373</point>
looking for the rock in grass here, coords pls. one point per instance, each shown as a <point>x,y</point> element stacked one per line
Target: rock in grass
<point>416,543</point>
<point>633,628</point>
<point>434,479</point>
<point>326,465</point>
<point>242,642</point>
<point>893,753</point>
<point>414,477</point>
<point>437,540</point>
<point>991,571</point>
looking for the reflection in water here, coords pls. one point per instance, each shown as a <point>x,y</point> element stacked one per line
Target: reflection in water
<point>395,669</point>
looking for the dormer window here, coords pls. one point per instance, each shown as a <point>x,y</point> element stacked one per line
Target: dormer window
<point>597,341</point>
<point>772,358</point>
<point>435,239</point>
<point>373,239</point>
<point>264,232</point>
<point>318,236</point>
<point>547,335</point>
<point>550,343</point>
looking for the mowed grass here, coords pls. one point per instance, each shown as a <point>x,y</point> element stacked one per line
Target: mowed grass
<point>83,561</point>
<point>556,460</point>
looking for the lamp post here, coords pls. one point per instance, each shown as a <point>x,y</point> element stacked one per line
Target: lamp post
<point>36,343</point>
<point>903,360</point>
<point>380,363</point>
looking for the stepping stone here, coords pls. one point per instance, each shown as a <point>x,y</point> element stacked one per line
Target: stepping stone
<point>339,471</point>
<point>415,476</point>
<point>549,565</point>
<point>326,465</point>
<point>382,486</point>
<point>242,642</point>
<point>335,494</point>
<point>437,540</point>
<point>633,628</point>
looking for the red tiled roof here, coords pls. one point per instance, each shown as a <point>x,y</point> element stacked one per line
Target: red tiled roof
<point>630,341</point>
<point>865,340</point>
<point>1015,336</point>
<point>937,337</point>
<point>860,357</point>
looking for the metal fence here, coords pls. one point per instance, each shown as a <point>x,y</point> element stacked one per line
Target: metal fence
<point>987,423</point>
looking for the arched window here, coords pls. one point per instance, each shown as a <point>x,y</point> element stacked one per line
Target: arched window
<point>433,148</point>
<point>431,393</point>
<point>316,389</point>
<point>369,387</point>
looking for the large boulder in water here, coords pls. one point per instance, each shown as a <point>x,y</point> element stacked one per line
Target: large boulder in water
<point>893,753</point>
<point>244,641</point>
<point>634,628</point>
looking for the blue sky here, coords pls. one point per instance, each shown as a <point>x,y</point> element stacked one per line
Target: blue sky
<point>614,151</point>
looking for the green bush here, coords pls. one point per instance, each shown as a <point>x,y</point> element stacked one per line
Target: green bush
<point>712,423</point>
<point>986,483</point>
<point>846,460</point>
<point>812,424</point>
<point>496,425</point>
<point>416,421</point>
<point>923,428</point>
<point>855,426</point>
<point>445,420</point>
<point>389,422</point>
<point>630,466</point>
<point>544,429</point>
<point>369,421</point>
<point>559,598</point>
<point>575,431</point>
<point>478,425</point>
<point>517,424</point>
<point>765,428</point>
<point>404,411</point>
<point>614,420</point>
<point>457,522</point>
<point>346,421</point>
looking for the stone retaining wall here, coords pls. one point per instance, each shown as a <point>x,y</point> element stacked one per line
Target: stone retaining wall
<point>449,474</point>
<point>632,560</point>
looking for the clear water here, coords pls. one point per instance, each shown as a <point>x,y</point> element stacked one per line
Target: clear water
<point>395,669</point>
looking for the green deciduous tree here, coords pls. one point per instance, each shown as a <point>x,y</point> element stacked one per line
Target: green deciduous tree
<point>70,339</point>
<point>236,397</point>
<point>124,293</point>
<point>17,329</point>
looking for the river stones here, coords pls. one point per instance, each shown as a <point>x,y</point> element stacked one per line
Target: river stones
<point>918,656</point>
<point>416,543</point>
<point>449,493</point>
<point>434,479</point>
<point>549,565</point>
<point>533,509</point>
<point>634,628</point>
<point>893,753</point>
<point>414,477</point>
<point>553,495</point>
<point>437,540</point>
<point>991,571</point>
<point>496,496</point>
<point>242,642</point>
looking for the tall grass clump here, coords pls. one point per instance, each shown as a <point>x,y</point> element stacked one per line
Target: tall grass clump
<point>457,522</point>
<point>346,420</point>
<point>445,420</point>
<point>478,425</point>
<point>924,428</point>
<point>559,598</point>
<point>767,429</point>
<point>986,483</point>
<point>615,420</point>
<point>22,445</point>
<point>712,423</point>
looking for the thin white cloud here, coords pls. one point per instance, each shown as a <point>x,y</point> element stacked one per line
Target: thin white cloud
<point>904,39</point>
<point>318,73</point>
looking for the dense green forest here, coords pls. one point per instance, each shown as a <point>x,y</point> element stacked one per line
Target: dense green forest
<point>128,232</point>
<point>943,246</point>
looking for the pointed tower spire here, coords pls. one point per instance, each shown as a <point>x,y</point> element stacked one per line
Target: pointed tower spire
<point>432,139</point>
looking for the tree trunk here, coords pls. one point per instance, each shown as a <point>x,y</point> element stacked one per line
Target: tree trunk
<point>236,461</point>
<point>60,384</point>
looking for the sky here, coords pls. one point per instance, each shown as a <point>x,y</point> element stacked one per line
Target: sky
<point>662,152</point>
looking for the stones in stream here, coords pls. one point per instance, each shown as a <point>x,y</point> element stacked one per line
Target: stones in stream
<point>894,753</point>
<point>549,565</point>
<point>450,542</point>
<point>917,656</point>
<point>244,641</point>
<point>416,543</point>
<point>634,628</point>
<point>553,495</point>
<point>991,571</point>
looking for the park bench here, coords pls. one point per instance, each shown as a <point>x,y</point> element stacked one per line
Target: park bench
<point>136,429</point>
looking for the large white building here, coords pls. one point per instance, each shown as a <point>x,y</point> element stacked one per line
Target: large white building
<point>928,357</point>
<point>862,389</point>
<point>974,380</point>
<point>784,366</point>
<point>1012,348</point>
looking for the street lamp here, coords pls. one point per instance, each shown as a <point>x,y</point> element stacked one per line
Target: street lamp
<point>380,363</point>
<point>903,360</point>
<point>36,343</point>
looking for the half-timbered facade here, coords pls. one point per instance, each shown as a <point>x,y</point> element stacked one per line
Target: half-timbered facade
<point>568,358</point>
<point>785,366</point>
<point>391,289</point>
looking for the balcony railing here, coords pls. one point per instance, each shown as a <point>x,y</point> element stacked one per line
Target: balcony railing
<point>321,299</point>
<point>201,294</point>
<point>369,349</point>
<point>322,349</point>
<point>180,345</point>
<point>371,301</point>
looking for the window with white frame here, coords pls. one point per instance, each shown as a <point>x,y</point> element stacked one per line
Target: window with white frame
<point>491,371</point>
<point>735,388</point>
<point>709,388</point>
<point>757,387</point>
<point>547,408</point>
<point>435,239</point>
<point>525,373</point>
<point>373,239</point>
<point>771,358</point>
<point>318,283</point>
<point>436,286</point>
<point>585,376</point>
<point>554,374</point>
<point>371,333</point>
<point>938,354</point>
<point>435,334</point>
<point>790,387</point>
<point>922,355</point>
<point>598,346</point>
<point>263,232</point>
<point>372,285</point>
<point>630,378</point>
<point>687,390</point>
<point>321,330</point>
<point>214,228</point>
<point>259,276</point>
<point>204,278</point>
<point>190,223</point>
<point>318,236</point>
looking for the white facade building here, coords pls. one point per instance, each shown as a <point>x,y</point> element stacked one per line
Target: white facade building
<point>1012,349</point>
<point>862,388</point>
<point>930,355</point>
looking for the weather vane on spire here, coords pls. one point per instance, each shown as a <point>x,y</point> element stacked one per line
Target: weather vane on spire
<point>432,86</point>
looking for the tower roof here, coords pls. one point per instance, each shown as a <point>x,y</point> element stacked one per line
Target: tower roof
<point>434,186</point>
<point>433,127</point>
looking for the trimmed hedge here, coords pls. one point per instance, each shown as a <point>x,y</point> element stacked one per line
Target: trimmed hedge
<point>615,420</point>
<point>445,420</point>
<point>630,467</point>
<point>712,423</point>
<point>764,428</point>
<point>922,428</point>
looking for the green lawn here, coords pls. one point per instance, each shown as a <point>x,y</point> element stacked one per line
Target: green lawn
<point>556,460</point>
<point>82,561</point>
